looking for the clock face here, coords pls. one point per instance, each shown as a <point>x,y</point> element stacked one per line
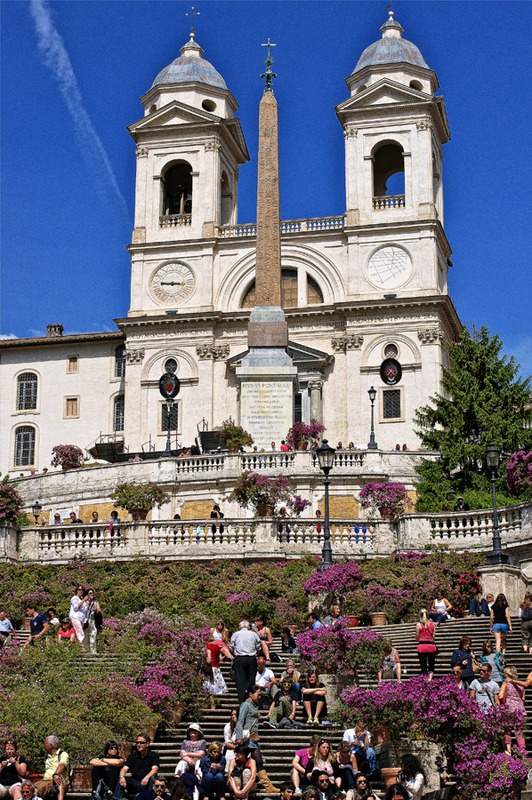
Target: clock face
<point>389,267</point>
<point>172,282</point>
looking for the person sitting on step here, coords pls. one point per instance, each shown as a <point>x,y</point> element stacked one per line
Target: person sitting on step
<point>283,705</point>
<point>193,748</point>
<point>212,768</point>
<point>300,762</point>
<point>105,770</point>
<point>242,774</point>
<point>314,694</point>
<point>158,790</point>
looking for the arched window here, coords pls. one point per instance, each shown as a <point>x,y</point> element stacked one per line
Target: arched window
<point>289,291</point>
<point>27,391</point>
<point>177,190</point>
<point>226,210</point>
<point>24,455</point>
<point>388,177</point>
<point>120,361</point>
<point>118,413</point>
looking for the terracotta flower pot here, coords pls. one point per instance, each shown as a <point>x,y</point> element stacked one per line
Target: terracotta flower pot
<point>353,622</point>
<point>302,445</point>
<point>139,514</point>
<point>378,618</point>
<point>264,510</point>
<point>386,513</point>
<point>81,778</point>
<point>390,774</point>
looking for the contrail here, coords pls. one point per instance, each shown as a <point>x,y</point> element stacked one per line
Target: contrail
<point>57,59</point>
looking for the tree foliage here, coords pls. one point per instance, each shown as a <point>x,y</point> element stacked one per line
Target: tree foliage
<point>483,402</point>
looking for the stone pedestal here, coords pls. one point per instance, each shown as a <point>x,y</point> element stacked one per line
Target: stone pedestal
<point>504,578</point>
<point>268,379</point>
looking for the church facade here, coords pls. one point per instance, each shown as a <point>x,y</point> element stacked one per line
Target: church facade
<point>365,294</point>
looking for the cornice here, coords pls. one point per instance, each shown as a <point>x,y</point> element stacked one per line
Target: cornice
<point>55,341</point>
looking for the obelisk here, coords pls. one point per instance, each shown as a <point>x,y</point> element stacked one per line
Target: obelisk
<point>267,375</point>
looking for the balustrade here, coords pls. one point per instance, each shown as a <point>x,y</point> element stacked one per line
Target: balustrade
<point>174,220</point>
<point>196,464</point>
<point>391,201</point>
<point>475,523</point>
<point>287,227</point>
<point>74,538</point>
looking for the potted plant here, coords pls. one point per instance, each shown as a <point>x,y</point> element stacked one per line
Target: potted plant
<point>67,456</point>
<point>138,498</point>
<point>389,499</point>
<point>301,435</point>
<point>261,493</point>
<point>233,437</point>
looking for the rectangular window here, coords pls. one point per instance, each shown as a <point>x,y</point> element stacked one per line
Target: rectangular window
<point>165,417</point>
<point>72,407</point>
<point>24,446</point>
<point>298,411</point>
<point>118,413</point>
<point>391,404</point>
<point>27,391</point>
<point>72,364</point>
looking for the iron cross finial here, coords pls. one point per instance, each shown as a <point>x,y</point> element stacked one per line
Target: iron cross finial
<point>192,13</point>
<point>268,75</point>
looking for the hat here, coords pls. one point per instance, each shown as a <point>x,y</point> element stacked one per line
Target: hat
<point>194,726</point>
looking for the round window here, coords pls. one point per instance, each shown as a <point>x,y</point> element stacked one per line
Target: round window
<point>170,365</point>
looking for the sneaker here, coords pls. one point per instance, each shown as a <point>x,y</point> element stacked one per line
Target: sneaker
<point>310,721</point>
<point>270,724</point>
<point>315,721</point>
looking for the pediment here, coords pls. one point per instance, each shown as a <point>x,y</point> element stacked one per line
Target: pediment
<point>175,113</point>
<point>302,356</point>
<point>383,92</point>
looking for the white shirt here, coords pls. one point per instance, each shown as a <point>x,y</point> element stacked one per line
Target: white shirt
<point>75,613</point>
<point>264,677</point>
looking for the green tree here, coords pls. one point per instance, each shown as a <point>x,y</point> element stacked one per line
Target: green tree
<point>483,401</point>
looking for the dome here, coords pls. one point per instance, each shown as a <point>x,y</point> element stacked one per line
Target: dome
<point>190,67</point>
<point>391,49</point>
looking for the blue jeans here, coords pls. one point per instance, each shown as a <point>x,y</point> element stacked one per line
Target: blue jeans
<point>133,786</point>
<point>371,756</point>
<point>213,784</point>
<point>435,617</point>
<point>477,609</point>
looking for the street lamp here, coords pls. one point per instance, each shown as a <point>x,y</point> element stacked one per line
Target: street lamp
<point>325,455</point>
<point>169,406</point>
<point>372,444</point>
<point>36,510</point>
<point>497,556</point>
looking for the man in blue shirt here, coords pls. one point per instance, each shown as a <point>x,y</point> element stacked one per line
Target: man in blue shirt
<point>38,625</point>
<point>6,628</point>
<point>313,622</point>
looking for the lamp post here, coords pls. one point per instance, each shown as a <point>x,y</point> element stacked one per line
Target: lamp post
<point>36,510</point>
<point>168,449</point>
<point>372,444</point>
<point>325,455</point>
<point>497,556</point>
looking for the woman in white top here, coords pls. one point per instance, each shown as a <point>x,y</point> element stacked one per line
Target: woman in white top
<point>412,776</point>
<point>230,738</point>
<point>440,609</point>
<point>79,604</point>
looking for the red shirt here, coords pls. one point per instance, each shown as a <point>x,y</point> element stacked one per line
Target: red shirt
<point>214,649</point>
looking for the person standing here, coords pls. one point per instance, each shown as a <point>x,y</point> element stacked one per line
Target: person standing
<point>500,622</point>
<point>426,646</point>
<point>484,690</point>
<point>78,612</point>
<point>513,699</point>
<point>6,628</point>
<point>244,645</point>
<point>38,625</point>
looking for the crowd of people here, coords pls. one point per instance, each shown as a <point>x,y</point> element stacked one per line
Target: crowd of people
<point>233,764</point>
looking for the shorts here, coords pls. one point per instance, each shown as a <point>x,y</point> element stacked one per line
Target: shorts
<point>501,627</point>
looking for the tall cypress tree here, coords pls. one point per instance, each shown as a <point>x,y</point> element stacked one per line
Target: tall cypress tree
<point>483,402</point>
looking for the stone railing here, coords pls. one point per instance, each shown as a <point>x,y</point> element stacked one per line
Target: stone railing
<point>191,539</point>
<point>390,201</point>
<point>287,227</point>
<point>174,220</point>
<point>267,538</point>
<point>466,530</point>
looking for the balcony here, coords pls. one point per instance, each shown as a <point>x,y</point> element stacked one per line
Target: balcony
<point>390,201</point>
<point>288,227</point>
<point>174,220</point>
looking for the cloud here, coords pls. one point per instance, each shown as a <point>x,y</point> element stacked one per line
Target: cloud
<point>57,59</point>
<point>8,336</point>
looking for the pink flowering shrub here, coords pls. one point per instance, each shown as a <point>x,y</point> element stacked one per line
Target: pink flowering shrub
<point>10,502</point>
<point>388,497</point>
<point>298,504</point>
<point>337,578</point>
<point>236,598</point>
<point>339,648</point>
<point>519,474</point>
<point>472,739</point>
<point>67,456</point>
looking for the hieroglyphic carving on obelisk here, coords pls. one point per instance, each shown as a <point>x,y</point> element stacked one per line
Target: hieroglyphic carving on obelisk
<point>268,263</point>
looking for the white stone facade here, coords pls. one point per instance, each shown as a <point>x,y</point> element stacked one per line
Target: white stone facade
<point>360,288</point>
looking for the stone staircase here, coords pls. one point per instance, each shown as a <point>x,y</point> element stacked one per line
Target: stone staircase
<point>279,746</point>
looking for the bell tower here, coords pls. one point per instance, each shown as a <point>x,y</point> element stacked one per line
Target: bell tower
<point>394,128</point>
<point>189,148</point>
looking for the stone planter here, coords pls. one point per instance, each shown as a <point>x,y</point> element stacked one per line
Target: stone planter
<point>378,618</point>
<point>389,775</point>
<point>80,778</point>
<point>335,685</point>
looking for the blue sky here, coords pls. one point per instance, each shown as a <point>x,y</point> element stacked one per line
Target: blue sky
<point>67,161</point>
